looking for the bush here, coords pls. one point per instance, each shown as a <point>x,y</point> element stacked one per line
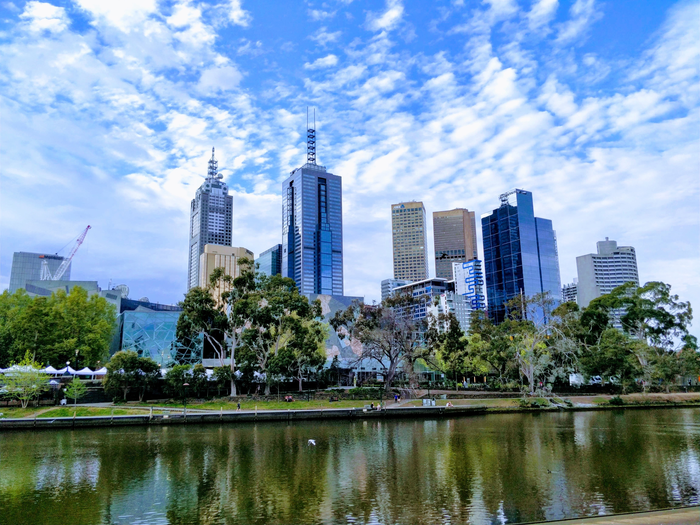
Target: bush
<point>616,401</point>
<point>538,402</point>
<point>365,393</point>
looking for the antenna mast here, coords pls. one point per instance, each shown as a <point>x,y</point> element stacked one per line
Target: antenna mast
<point>310,139</point>
<point>213,171</point>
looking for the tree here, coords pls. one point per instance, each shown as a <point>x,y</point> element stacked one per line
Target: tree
<point>199,380</point>
<point>614,356</point>
<point>175,380</point>
<point>75,390</point>
<point>26,381</point>
<point>126,371</point>
<point>448,344</point>
<point>304,354</point>
<point>386,333</point>
<point>492,344</point>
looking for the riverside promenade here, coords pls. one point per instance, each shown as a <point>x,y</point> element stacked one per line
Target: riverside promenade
<point>682,516</point>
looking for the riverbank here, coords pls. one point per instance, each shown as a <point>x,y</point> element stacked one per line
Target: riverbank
<point>177,415</point>
<point>683,516</point>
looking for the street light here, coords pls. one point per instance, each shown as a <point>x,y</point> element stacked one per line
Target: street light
<point>184,399</point>
<point>76,358</point>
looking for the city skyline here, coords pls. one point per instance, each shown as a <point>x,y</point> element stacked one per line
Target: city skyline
<point>593,110</point>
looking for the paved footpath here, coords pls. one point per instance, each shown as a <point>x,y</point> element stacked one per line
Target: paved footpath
<point>685,516</point>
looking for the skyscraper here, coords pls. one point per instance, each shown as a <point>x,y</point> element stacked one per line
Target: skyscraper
<point>408,227</point>
<point>211,218</point>
<point>454,235</point>
<point>225,257</point>
<point>599,273</point>
<point>270,261</point>
<point>520,253</point>
<point>27,267</point>
<point>312,226</point>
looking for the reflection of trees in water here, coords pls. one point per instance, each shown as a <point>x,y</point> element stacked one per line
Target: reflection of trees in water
<point>521,466</point>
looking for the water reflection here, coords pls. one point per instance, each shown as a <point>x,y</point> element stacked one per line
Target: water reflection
<point>491,469</point>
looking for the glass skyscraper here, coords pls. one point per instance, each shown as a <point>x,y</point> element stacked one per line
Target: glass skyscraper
<point>27,267</point>
<point>520,253</point>
<point>312,227</point>
<point>270,261</point>
<point>211,219</point>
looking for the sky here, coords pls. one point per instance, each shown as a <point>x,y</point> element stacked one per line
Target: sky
<point>109,111</point>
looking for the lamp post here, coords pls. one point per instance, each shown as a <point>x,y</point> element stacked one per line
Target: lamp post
<point>184,399</point>
<point>76,359</point>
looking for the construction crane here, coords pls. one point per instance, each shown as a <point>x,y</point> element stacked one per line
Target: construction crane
<point>46,273</point>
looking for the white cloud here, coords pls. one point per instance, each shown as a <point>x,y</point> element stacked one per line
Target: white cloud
<point>583,14</point>
<point>322,63</point>
<point>238,15</point>
<point>542,13</point>
<point>44,17</point>
<point>122,14</point>
<point>388,19</point>
<point>319,14</point>
<point>324,37</point>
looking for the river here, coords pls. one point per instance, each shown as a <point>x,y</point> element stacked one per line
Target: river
<point>479,470</point>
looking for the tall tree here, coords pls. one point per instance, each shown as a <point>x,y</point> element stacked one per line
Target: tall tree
<point>304,354</point>
<point>126,371</point>
<point>26,381</point>
<point>386,333</point>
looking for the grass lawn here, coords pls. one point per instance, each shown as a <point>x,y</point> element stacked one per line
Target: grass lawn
<point>14,412</point>
<point>314,404</point>
<point>67,411</point>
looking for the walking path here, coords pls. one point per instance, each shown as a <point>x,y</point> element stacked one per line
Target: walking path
<point>684,516</point>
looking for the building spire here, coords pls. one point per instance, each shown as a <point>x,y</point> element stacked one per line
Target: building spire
<point>310,139</point>
<point>213,172</point>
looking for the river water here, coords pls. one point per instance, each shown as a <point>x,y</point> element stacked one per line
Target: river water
<point>483,469</point>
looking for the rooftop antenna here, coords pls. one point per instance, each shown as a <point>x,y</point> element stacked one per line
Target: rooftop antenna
<point>213,171</point>
<point>310,139</point>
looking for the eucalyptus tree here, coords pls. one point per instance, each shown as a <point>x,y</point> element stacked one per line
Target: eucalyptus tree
<point>386,333</point>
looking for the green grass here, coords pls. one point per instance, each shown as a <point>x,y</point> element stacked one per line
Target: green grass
<point>16,412</point>
<point>90,411</point>
<point>313,404</point>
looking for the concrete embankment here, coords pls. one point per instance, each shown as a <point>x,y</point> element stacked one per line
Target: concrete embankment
<point>201,417</point>
<point>682,516</point>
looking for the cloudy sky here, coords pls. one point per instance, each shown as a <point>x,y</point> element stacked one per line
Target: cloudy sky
<point>110,109</point>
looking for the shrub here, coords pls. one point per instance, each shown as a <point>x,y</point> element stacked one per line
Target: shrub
<point>616,401</point>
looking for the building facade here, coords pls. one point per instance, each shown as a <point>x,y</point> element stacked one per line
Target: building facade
<point>410,242</point>
<point>26,266</point>
<point>569,292</point>
<point>270,261</point>
<point>454,237</point>
<point>225,257</point>
<point>520,253</point>
<point>389,285</point>
<point>469,283</point>
<point>211,219</point>
<point>312,227</point>
<point>610,267</point>
<point>437,296</point>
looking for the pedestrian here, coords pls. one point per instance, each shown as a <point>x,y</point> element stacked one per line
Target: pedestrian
<point>238,406</point>
<point>396,398</point>
<point>371,406</point>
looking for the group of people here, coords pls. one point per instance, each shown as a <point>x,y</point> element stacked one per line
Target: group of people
<point>288,399</point>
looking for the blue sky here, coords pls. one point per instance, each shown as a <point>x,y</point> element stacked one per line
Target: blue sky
<point>110,109</point>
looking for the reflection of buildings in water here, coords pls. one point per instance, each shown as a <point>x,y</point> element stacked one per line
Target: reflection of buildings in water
<point>78,471</point>
<point>581,433</point>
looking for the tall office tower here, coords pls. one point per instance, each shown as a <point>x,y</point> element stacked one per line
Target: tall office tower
<point>27,267</point>
<point>408,226</point>
<point>599,273</point>
<point>225,257</point>
<point>389,285</point>
<point>520,253</point>
<point>312,226</point>
<point>469,282</point>
<point>211,218</point>
<point>454,235</point>
<point>270,261</point>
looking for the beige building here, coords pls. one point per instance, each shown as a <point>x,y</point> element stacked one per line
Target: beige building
<point>408,226</point>
<point>454,235</point>
<point>225,257</point>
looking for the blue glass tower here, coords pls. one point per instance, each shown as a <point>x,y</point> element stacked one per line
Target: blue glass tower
<point>270,261</point>
<point>520,253</point>
<point>312,227</point>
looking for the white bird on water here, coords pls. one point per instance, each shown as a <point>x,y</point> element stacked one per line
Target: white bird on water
<point>311,442</point>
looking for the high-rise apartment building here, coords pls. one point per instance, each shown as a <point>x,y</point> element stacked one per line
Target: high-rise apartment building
<point>211,219</point>
<point>389,285</point>
<point>569,292</point>
<point>520,253</point>
<point>27,267</point>
<point>469,282</point>
<point>454,236</point>
<point>599,273</point>
<point>270,261</point>
<point>410,242</point>
<point>225,257</point>
<point>312,226</point>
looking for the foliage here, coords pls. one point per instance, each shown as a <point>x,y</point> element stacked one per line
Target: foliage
<point>199,381</point>
<point>26,381</point>
<point>305,353</point>
<point>75,389</point>
<point>54,328</point>
<point>175,380</point>
<point>126,371</point>
<point>615,356</point>
<point>387,333</point>
<point>616,401</point>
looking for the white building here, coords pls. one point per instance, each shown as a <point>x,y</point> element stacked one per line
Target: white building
<point>599,273</point>
<point>569,292</point>
<point>389,285</point>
